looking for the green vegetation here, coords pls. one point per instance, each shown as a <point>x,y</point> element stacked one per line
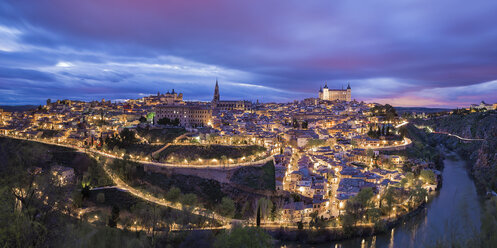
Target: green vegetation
<point>227,207</point>
<point>428,176</point>
<point>386,111</point>
<point>220,152</point>
<point>169,186</point>
<point>32,219</point>
<point>168,122</point>
<point>357,207</point>
<point>256,177</point>
<point>423,148</point>
<point>125,142</point>
<point>315,143</point>
<point>163,135</point>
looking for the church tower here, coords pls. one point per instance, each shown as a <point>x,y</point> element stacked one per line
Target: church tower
<point>216,93</point>
<point>349,93</point>
<point>326,92</point>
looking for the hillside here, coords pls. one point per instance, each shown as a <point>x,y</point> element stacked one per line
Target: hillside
<point>482,155</point>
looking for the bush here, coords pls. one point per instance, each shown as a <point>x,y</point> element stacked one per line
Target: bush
<point>173,194</point>
<point>101,197</point>
<point>189,199</point>
<point>427,176</point>
<point>227,207</point>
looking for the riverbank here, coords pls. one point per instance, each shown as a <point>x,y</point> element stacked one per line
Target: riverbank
<point>326,235</point>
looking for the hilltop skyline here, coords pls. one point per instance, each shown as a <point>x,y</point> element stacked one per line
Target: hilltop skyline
<point>431,54</point>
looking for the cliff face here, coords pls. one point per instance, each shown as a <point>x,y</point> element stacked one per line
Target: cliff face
<point>482,155</point>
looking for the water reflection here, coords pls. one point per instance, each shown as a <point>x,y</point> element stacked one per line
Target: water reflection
<point>453,214</point>
<point>390,245</point>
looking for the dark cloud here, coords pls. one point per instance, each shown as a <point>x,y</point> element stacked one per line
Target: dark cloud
<point>388,49</point>
<point>25,74</point>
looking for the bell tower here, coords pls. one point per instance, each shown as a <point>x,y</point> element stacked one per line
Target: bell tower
<point>216,93</point>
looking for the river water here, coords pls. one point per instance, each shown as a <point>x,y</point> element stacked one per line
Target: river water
<point>454,214</point>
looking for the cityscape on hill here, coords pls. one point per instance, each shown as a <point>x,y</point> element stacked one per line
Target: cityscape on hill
<point>248,124</point>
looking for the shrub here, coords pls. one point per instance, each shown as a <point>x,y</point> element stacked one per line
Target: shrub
<point>101,197</point>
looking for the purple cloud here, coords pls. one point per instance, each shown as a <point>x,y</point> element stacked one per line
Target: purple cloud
<point>388,50</point>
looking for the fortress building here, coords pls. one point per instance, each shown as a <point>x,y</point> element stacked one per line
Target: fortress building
<point>332,95</point>
<point>219,105</point>
<point>168,98</point>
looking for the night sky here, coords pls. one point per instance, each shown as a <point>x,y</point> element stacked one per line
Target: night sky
<point>407,53</point>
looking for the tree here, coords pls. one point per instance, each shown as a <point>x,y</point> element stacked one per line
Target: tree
<point>417,195</point>
<point>428,176</point>
<point>403,131</point>
<point>357,205</point>
<point>258,217</point>
<point>114,216</point>
<point>189,199</point>
<point>247,209</point>
<point>305,124</point>
<point>175,122</point>
<point>148,216</point>
<point>164,121</point>
<point>488,235</point>
<point>227,207</point>
<point>274,213</point>
<point>264,206</point>
<point>389,197</point>
<point>364,196</point>
<point>410,177</point>
<point>316,222</point>
<point>348,220</point>
<point>373,214</point>
<point>85,190</point>
<point>243,237</point>
<point>173,194</point>
<point>295,123</point>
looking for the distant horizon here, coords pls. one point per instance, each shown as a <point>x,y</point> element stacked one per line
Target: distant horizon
<point>383,101</point>
<point>192,100</point>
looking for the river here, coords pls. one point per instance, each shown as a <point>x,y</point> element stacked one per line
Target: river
<point>453,214</point>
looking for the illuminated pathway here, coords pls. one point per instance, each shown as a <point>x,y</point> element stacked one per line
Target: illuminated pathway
<point>459,137</point>
<point>186,165</point>
<point>449,134</point>
<point>168,144</point>
<point>402,124</point>
<point>121,185</point>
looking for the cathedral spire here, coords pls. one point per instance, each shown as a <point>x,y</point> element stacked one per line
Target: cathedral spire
<point>325,85</point>
<point>348,86</point>
<point>216,93</point>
